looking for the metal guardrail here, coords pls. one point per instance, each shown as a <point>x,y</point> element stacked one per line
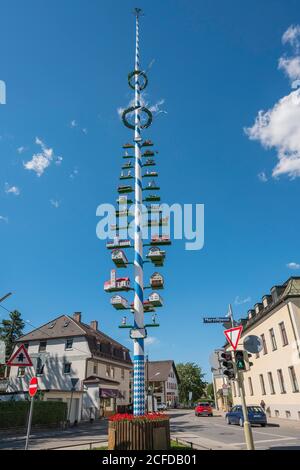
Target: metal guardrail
<point>191,444</point>
<point>80,444</point>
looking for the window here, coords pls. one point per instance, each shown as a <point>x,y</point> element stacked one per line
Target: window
<point>287,414</point>
<point>21,371</point>
<point>107,373</point>
<point>262,384</point>
<point>294,380</point>
<point>263,338</point>
<point>281,381</point>
<point>69,343</point>
<point>271,383</point>
<point>273,339</point>
<point>283,334</point>
<point>39,367</point>
<point>26,346</point>
<point>95,368</point>
<point>67,367</point>
<point>122,373</point>
<point>42,346</point>
<point>250,386</point>
<point>112,372</point>
<point>277,413</point>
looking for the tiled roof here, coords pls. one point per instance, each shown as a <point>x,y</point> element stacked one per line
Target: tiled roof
<point>67,327</point>
<point>159,370</point>
<point>100,380</point>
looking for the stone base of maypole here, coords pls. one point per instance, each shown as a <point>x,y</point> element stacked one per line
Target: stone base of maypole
<point>140,433</point>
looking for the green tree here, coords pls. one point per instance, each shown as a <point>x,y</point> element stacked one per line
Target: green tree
<point>11,330</point>
<point>191,380</point>
<point>210,391</point>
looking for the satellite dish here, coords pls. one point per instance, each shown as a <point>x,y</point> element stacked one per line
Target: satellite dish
<point>253,344</point>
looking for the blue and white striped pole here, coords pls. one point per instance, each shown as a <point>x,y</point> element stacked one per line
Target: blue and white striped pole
<point>138,354</point>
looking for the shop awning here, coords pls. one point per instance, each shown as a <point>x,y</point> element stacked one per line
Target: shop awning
<point>109,393</point>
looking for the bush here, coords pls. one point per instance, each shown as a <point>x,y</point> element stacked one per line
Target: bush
<point>15,413</point>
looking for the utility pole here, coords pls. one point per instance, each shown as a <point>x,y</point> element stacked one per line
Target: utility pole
<point>240,381</point>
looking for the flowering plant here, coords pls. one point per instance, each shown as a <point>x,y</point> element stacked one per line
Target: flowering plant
<point>145,417</point>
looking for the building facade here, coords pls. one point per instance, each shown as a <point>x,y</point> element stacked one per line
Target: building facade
<point>163,380</point>
<point>274,377</point>
<point>76,363</point>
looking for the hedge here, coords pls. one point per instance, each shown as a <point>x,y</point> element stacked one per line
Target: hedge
<point>15,413</point>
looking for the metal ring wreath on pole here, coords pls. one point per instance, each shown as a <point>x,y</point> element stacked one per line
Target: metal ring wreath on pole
<point>132,109</point>
<point>139,74</point>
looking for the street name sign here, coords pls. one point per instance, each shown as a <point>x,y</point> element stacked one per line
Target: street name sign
<point>33,386</point>
<point>20,358</point>
<point>216,320</point>
<point>233,336</point>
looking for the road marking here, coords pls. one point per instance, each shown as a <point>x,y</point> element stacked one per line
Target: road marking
<point>240,429</point>
<point>266,440</point>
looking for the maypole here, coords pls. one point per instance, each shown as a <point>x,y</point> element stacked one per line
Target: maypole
<point>138,81</point>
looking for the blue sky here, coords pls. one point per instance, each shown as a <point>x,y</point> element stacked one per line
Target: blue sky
<point>216,65</point>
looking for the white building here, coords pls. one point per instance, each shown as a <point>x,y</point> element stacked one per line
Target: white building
<point>163,381</point>
<point>65,349</point>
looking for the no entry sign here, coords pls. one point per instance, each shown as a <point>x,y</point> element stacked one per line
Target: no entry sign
<point>33,386</point>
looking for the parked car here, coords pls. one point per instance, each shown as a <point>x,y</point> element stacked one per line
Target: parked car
<point>256,415</point>
<point>203,409</point>
<point>161,407</point>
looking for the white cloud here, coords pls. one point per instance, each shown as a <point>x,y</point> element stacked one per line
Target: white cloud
<point>41,160</point>
<point>3,219</point>
<point>84,130</point>
<point>150,340</point>
<point>12,189</point>
<point>262,177</point>
<point>292,36</point>
<point>291,67</point>
<point>239,301</point>
<point>55,203</point>
<point>74,173</point>
<point>293,266</point>
<point>73,123</point>
<point>279,127</point>
<point>20,149</point>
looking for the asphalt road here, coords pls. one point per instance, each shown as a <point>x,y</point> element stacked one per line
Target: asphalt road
<point>214,433</point>
<point>79,436</point>
<point>204,433</point>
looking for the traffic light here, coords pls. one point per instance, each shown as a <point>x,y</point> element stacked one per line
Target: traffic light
<point>247,357</point>
<point>240,360</point>
<point>227,363</point>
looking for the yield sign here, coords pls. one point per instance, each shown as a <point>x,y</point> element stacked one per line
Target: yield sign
<point>21,358</point>
<point>233,336</point>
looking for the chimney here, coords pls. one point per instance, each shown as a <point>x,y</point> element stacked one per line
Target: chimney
<point>94,325</point>
<point>77,316</point>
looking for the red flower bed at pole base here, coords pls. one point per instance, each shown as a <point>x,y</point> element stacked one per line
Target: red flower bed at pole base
<point>146,432</point>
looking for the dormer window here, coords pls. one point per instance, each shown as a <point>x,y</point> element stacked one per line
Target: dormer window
<point>69,343</point>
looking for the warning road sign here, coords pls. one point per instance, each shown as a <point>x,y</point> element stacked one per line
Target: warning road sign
<point>20,358</point>
<point>233,336</point>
